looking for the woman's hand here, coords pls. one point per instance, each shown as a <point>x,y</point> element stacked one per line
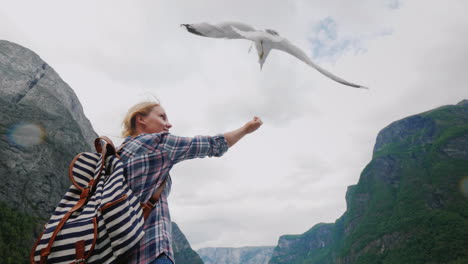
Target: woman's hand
<point>253,125</point>
<point>249,127</point>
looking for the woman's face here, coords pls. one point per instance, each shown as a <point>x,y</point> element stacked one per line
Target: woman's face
<point>156,121</point>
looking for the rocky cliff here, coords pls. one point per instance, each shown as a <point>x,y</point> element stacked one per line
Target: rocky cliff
<point>42,127</point>
<point>183,252</point>
<point>243,255</point>
<point>410,204</point>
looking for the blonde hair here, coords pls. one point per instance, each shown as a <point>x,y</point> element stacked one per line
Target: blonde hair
<point>129,122</point>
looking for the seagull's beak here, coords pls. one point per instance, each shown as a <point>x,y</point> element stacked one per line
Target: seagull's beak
<point>190,29</point>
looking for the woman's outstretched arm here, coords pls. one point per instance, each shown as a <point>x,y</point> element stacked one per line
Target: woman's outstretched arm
<point>235,135</point>
<point>183,148</point>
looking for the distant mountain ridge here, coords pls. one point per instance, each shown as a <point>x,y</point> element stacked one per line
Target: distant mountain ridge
<point>242,255</point>
<point>409,205</point>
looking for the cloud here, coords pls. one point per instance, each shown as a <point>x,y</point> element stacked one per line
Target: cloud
<point>325,42</point>
<point>394,4</point>
<point>328,43</point>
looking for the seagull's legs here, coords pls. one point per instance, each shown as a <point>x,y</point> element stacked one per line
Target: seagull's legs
<point>263,49</point>
<point>263,52</point>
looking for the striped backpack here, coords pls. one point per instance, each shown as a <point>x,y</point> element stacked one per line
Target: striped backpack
<point>99,218</point>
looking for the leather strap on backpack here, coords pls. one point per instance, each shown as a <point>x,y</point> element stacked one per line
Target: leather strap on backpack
<point>151,203</point>
<point>46,251</point>
<point>109,148</point>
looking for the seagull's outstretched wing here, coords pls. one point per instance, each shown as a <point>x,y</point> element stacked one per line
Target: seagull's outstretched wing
<point>288,47</point>
<point>257,35</point>
<point>229,29</point>
<point>222,30</point>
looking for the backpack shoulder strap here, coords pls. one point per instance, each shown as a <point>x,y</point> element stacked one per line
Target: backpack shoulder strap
<point>117,151</point>
<point>151,203</point>
<point>108,149</point>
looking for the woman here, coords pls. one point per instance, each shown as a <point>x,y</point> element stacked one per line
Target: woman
<point>149,152</point>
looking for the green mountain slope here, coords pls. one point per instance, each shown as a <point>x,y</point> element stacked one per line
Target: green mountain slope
<point>409,205</point>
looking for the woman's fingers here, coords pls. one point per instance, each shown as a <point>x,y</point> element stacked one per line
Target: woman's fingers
<point>254,124</point>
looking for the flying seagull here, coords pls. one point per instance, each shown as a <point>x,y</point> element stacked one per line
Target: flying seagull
<point>264,40</point>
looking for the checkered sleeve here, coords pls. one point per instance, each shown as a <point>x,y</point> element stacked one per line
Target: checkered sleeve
<point>182,148</point>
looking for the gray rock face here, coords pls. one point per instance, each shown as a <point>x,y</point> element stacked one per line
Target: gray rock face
<point>405,130</point>
<point>27,80</point>
<point>457,148</point>
<point>243,255</point>
<point>463,102</point>
<point>43,127</point>
<point>388,171</point>
<point>421,129</point>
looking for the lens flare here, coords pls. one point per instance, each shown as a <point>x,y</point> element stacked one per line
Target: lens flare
<point>464,186</point>
<point>26,134</point>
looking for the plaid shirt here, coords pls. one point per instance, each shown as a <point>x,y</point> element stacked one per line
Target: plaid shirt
<point>148,159</point>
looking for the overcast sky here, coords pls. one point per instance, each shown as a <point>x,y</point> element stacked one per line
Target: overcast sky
<point>317,135</point>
